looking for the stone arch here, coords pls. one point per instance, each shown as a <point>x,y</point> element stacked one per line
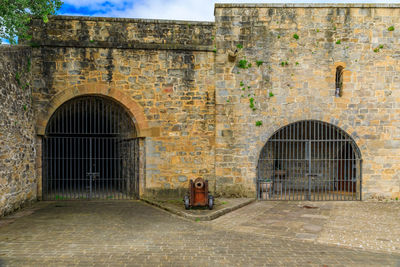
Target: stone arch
<point>350,130</point>
<point>135,110</point>
<point>312,160</point>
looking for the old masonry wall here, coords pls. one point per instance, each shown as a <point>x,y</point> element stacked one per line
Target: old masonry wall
<point>300,47</point>
<point>18,183</point>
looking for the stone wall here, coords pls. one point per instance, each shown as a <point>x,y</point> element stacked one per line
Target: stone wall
<point>160,71</point>
<point>183,84</point>
<point>300,47</point>
<point>18,183</point>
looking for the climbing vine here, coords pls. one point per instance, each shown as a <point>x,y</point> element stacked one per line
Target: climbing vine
<point>245,64</point>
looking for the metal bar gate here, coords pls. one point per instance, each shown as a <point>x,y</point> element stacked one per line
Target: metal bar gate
<point>88,154</point>
<point>309,160</point>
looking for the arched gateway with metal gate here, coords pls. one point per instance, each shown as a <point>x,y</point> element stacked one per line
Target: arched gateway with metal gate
<point>309,160</point>
<point>90,150</point>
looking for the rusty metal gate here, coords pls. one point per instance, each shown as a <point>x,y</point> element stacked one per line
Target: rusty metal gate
<point>90,151</point>
<point>309,160</point>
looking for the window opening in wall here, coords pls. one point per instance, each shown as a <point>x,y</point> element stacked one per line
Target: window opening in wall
<point>339,81</point>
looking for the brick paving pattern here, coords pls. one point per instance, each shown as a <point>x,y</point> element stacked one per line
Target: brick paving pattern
<point>135,234</point>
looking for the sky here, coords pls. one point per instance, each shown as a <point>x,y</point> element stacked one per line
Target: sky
<point>197,10</point>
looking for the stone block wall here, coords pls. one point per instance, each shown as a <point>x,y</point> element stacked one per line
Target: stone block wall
<point>161,71</point>
<point>18,184</point>
<point>298,48</point>
<point>189,85</point>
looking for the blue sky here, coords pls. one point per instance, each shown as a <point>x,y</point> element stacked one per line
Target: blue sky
<point>202,10</point>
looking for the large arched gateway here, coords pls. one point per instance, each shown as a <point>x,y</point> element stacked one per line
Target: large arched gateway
<point>309,160</point>
<point>90,150</point>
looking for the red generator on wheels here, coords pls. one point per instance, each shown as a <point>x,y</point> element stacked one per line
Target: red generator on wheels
<point>198,195</point>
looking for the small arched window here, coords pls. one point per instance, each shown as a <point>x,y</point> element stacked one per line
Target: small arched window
<point>339,81</point>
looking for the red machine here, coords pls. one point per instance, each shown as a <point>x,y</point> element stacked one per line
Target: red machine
<point>198,195</point>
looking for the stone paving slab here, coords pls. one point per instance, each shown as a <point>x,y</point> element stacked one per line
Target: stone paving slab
<point>132,233</point>
<point>366,225</point>
<point>222,206</point>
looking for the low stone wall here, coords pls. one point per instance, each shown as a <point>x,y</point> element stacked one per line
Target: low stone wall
<point>18,184</point>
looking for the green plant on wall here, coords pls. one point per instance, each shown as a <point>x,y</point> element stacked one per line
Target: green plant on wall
<point>377,49</point>
<point>244,64</point>
<point>251,100</point>
<point>18,78</point>
<point>258,123</point>
<point>295,36</point>
<point>391,28</point>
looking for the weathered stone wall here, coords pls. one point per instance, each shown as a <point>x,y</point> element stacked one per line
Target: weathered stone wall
<point>300,75</point>
<point>189,103</point>
<point>18,183</point>
<point>161,71</point>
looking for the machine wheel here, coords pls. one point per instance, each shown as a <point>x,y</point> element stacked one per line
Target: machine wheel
<point>210,202</point>
<point>187,204</point>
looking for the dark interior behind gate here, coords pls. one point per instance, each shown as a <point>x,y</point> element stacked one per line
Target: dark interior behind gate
<point>90,151</point>
<point>309,160</point>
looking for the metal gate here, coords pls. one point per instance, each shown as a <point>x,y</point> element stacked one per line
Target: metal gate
<point>90,152</point>
<point>309,160</point>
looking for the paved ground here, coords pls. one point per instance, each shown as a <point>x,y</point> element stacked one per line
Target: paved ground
<point>221,207</point>
<point>368,225</point>
<point>135,234</point>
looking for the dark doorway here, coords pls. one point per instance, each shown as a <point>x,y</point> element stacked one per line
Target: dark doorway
<point>90,151</point>
<point>309,160</point>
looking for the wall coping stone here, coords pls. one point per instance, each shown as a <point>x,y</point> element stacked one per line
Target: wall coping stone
<point>133,20</point>
<point>308,5</point>
<point>6,48</point>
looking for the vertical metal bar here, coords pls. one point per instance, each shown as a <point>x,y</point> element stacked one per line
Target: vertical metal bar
<point>110,156</point>
<point>288,175</point>
<point>284,160</point>
<point>353,172</point>
<point>118,154</point>
<point>309,165</point>
<point>49,166</point>
<point>90,165</point>
<point>312,154</point>
<point>325,159</point>
<point>67,167</point>
<point>347,163</point>
<point>98,155</point>
<point>336,165</point>
<point>325,162</point>
<point>45,167</point>
<point>330,153</point>
<point>275,148</point>
<point>318,161</point>
<point>295,160</point>
<point>58,168</point>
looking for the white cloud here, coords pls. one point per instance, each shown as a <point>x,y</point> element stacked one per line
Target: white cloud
<point>201,10</point>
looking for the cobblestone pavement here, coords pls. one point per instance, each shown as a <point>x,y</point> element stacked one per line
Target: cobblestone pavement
<point>366,225</point>
<point>135,234</point>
